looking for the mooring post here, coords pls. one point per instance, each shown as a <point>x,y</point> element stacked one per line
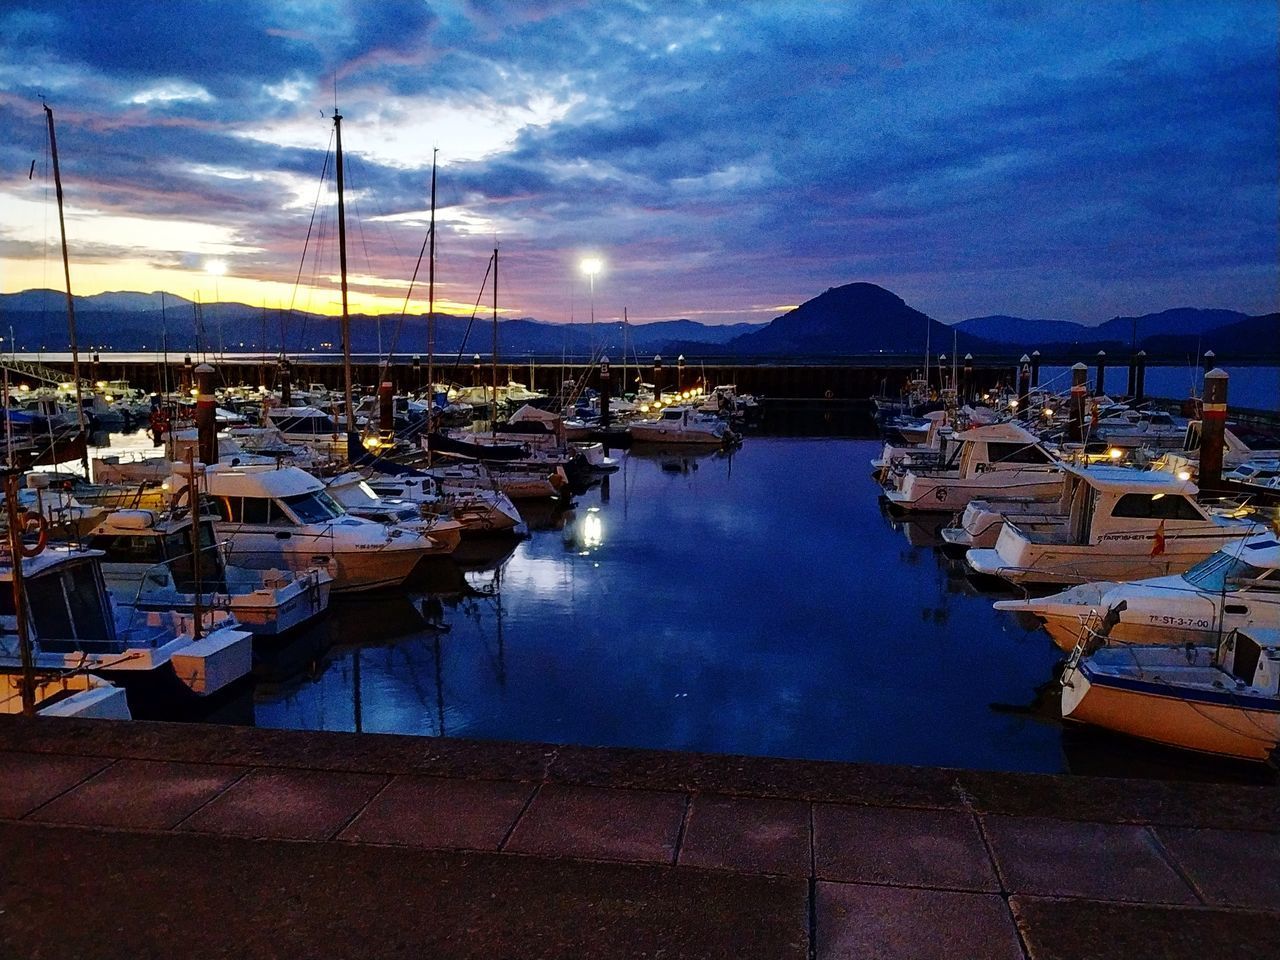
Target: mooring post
<point>605,387</point>
<point>657,377</point>
<point>1213,427</point>
<point>1140,386</point>
<point>386,407</point>
<point>286,383</point>
<point>1079,389</point>
<point>1024,384</point>
<point>1098,388</point>
<point>1035,368</point>
<point>206,418</point>
<point>1209,357</point>
<point>967,392</point>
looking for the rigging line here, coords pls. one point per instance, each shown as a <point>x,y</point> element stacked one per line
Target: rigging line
<point>302,261</point>
<point>471,320</point>
<point>395,337</point>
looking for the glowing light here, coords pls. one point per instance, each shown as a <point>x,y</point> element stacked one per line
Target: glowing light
<point>217,268</point>
<point>1013,404</point>
<point>1115,453</point>
<point>591,265</point>
<point>1184,474</point>
<point>592,528</point>
<point>1048,411</point>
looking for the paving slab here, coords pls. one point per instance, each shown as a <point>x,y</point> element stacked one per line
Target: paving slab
<point>570,821</point>
<point>1094,860</point>
<point>28,780</point>
<point>1229,867</point>
<point>1114,800</point>
<point>1088,930</point>
<point>287,804</point>
<point>257,746</point>
<point>140,794</point>
<point>924,848</point>
<point>436,813</point>
<point>899,923</point>
<point>748,834</point>
<point>756,776</point>
<point>69,892</point>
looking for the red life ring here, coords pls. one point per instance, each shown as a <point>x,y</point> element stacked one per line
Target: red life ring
<point>42,533</point>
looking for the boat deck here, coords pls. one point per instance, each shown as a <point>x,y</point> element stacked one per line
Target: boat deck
<point>147,839</point>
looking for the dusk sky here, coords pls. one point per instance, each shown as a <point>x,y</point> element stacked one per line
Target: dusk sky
<point>725,160</point>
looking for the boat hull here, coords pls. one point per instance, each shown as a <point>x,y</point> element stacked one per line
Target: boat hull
<point>1139,710</point>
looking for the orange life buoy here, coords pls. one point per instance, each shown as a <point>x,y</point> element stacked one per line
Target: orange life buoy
<point>42,533</point>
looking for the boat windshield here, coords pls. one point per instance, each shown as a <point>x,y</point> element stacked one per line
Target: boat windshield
<point>1222,571</point>
<point>315,507</point>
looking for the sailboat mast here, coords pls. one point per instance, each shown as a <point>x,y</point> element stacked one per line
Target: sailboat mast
<point>625,328</point>
<point>493,412</point>
<point>342,265</point>
<point>431,298</point>
<point>66,271</point>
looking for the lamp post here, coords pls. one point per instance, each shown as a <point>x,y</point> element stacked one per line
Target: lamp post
<point>591,266</point>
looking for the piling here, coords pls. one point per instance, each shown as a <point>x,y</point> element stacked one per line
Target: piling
<point>1079,389</point>
<point>286,383</point>
<point>206,415</point>
<point>386,407</point>
<point>1098,388</point>
<point>1132,390</point>
<point>1209,357</point>
<point>605,387</point>
<point>966,392</point>
<point>1035,368</point>
<point>1140,383</point>
<point>187,381</point>
<point>680,372</point>
<point>1024,383</point>
<point>942,372</point>
<point>1213,427</point>
<point>475,370</point>
<point>657,376</point>
<point>417,374</point>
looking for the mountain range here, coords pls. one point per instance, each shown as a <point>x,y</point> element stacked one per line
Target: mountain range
<point>855,319</point>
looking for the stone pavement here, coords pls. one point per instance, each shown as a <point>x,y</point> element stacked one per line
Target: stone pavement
<point>183,840</point>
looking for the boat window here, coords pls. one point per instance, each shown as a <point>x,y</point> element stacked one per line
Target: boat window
<point>1016,453</point>
<point>1157,506</point>
<point>1222,571</point>
<point>127,549</point>
<point>256,510</point>
<point>178,550</point>
<point>317,507</point>
<point>66,605</point>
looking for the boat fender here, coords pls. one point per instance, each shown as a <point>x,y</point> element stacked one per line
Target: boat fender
<point>42,533</point>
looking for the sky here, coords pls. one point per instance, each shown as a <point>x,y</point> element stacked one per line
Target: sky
<point>724,161</point>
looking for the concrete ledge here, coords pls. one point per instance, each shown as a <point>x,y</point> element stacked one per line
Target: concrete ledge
<point>1106,800</point>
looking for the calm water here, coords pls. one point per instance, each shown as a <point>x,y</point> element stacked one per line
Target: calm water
<point>758,604</point>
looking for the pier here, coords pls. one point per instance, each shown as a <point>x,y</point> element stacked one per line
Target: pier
<point>129,839</point>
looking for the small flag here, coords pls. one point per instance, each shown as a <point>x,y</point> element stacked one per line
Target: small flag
<point>1157,548</point>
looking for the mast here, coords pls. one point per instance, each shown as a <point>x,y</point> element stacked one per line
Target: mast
<point>493,412</point>
<point>19,590</point>
<point>431,299</point>
<point>71,304</point>
<point>342,265</point>
<point>625,328</point>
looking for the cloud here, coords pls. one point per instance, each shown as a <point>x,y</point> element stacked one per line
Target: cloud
<point>997,157</point>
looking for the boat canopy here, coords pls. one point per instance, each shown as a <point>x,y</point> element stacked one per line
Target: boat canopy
<point>1000,433</point>
<point>1124,479</point>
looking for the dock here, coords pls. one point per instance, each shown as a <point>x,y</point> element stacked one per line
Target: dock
<point>135,839</point>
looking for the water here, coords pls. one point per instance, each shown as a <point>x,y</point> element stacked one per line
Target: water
<point>756,604</point>
<point>1250,388</point>
<point>759,603</point>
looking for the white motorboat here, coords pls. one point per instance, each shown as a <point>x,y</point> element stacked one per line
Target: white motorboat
<point>283,519</point>
<point>75,627</point>
<point>1223,701</point>
<point>1152,429</point>
<point>1237,587</point>
<point>147,564</point>
<point>980,523</point>
<point>1123,524</point>
<point>683,425</point>
<point>515,484</point>
<point>931,446</point>
<point>998,459</point>
<point>311,427</point>
<point>359,500</point>
<point>481,512</point>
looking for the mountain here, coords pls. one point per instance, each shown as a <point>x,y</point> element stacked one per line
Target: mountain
<point>1153,330</point>
<point>134,321</point>
<point>857,318</point>
<point>1017,331</point>
<point>1250,337</point>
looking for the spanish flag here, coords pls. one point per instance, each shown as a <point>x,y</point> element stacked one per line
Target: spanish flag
<point>1157,548</point>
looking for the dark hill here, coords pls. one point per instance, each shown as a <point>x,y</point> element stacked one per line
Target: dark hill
<point>857,318</point>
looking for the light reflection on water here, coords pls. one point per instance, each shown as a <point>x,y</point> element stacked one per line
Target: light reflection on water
<point>756,604</point>
<point>760,603</point>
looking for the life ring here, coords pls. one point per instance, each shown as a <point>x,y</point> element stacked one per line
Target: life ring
<point>181,498</point>
<point>42,534</point>
<point>829,395</point>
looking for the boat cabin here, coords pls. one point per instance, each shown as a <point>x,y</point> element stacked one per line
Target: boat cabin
<point>67,605</point>
<point>303,420</point>
<point>139,546</point>
<point>1252,659</point>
